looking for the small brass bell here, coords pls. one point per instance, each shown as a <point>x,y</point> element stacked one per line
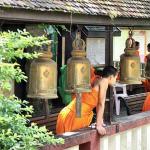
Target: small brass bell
<point>78,72</point>
<point>42,81</point>
<point>78,68</point>
<point>130,63</point>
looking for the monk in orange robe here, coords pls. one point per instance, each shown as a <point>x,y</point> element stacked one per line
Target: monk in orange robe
<point>137,46</point>
<point>146,106</point>
<point>67,120</point>
<point>146,84</point>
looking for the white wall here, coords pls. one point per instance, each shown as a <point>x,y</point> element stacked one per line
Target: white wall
<point>119,45</point>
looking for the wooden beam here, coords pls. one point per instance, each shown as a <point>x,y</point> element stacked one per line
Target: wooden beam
<point>67,18</point>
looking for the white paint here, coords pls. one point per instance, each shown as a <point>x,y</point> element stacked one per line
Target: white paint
<point>114,142</point>
<point>104,143</point>
<point>146,137</point>
<point>119,44</point>
<point>126,140</point>
<point>133,139</point>
<point>136,139</point>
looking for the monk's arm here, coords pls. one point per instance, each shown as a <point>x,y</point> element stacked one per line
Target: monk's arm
<point>101,105</point>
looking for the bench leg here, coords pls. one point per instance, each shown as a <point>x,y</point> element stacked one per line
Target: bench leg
<point>117,103</point>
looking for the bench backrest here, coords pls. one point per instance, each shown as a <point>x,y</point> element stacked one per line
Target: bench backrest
<point>49,122</point>
<point>134,103</point>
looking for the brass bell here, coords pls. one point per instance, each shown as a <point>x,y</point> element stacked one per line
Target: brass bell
<point>42,82</point>
<point>78,72</point>
<point>130,63</point>
<point>78,68</point>
<point>147,69</point>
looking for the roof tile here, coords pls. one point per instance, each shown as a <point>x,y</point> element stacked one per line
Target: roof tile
<point>123,8</point>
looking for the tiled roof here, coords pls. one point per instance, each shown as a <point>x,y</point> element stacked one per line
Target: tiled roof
<point>121,8</point>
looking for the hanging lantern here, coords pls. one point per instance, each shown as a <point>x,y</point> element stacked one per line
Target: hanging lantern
<point>130,63</point>
<point>78,68</point>
<point>42,81</point>
<point>147,69</point>
<point>78,72</point>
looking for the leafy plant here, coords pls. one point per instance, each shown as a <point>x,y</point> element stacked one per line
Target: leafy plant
<point>48,29</point>
<point>15,131</point>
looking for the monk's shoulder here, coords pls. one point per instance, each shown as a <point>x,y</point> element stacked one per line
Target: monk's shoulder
<point>103,83</point>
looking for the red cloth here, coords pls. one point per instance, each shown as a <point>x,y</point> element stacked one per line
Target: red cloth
<point>146,84</point>
<point>146,105</point>
<point>93,75</point>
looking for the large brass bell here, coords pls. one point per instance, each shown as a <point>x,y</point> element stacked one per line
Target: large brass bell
<point>78,72</point>
<point>78,68</point>
<point>147,69</point>
<point>42,82</point>
<point>130,63</point>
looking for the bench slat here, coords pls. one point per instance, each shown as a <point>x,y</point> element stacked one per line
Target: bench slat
<point>134,103</point>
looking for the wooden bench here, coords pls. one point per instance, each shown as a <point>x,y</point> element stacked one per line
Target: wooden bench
<point>134,103</point>
<point>49,122</point>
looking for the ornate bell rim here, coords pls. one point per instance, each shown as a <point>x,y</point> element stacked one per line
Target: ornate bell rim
<point>46,54</point>
<point>78,53</point>
<point>130,52</point>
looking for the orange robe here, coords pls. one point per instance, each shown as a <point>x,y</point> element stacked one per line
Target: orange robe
<point>137,53</point>
<point>146,106</point>
<point>67,120</point>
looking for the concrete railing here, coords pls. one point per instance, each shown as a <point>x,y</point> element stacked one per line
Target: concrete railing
<point>130,133</point>
<point>133,139</point>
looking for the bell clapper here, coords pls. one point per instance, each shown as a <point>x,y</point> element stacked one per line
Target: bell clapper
<point>47,111</point>
<point>78,105</point>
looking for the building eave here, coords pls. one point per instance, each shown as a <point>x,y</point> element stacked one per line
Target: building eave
<point>23,15</point>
